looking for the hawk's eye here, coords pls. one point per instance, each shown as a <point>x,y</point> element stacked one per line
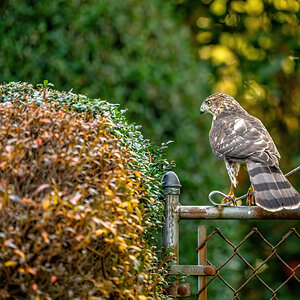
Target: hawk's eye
<point>208,102</point>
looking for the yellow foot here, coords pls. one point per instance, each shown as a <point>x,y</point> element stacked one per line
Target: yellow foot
<point>250,196</point>
<point>232,196</point>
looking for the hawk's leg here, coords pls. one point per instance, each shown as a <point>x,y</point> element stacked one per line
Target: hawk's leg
<point>250,196</point>
<point>233,171</point>
<point>231,195</point>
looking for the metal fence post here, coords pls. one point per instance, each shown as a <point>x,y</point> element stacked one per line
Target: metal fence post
<point>202,293</point>
<point>170,230</point>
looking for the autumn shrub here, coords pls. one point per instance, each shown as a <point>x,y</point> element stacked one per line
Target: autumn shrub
<point>79,188</point>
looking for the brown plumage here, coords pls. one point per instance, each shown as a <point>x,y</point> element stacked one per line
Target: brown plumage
<point>238,137</point>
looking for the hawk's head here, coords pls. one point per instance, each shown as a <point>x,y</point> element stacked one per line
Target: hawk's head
<point>216,103</point>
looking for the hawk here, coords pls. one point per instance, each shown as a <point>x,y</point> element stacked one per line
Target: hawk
<point>238,137</point>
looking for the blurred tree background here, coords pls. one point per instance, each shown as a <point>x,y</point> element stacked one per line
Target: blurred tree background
<point>160,59</point>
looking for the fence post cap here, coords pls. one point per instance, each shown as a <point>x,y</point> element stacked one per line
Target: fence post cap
<point>171,183</point>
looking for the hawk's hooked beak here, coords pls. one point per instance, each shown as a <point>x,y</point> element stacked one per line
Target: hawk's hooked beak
<point>203,109</point>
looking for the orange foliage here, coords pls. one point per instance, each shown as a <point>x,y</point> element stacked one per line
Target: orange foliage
<point>70,222</point>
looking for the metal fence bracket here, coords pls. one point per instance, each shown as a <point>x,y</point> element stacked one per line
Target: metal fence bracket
<point>196,270</point>
<point>179,290</point>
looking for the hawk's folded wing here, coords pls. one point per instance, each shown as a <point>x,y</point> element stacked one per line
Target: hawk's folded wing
<point>242,137</point>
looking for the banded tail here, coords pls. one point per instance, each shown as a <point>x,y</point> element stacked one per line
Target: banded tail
<point>272,190</point>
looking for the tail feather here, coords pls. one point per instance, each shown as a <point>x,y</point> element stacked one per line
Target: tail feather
<point>272,190</point>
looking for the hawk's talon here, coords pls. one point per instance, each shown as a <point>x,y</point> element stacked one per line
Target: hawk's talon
<point>228,200</point>
<point>250,196</point>
<point>232,198</point>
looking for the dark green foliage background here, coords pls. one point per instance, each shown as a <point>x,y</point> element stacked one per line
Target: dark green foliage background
<point>141,54</point>
<point>131,52</point>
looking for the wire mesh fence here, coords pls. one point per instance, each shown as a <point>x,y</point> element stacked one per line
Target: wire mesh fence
<point>289,270</point>
<point>270,268</point>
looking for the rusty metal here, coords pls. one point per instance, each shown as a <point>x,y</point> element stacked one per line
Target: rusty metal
<point>202,292</point>
<point>174,212</point>
<point>170,230</point>
<point>196,270</point>
<point>234,213</point>
<point>179,290</point>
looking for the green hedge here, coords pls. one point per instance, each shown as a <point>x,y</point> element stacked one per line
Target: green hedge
<point>80,200</point>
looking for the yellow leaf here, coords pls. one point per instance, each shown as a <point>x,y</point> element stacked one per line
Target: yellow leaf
<point>138,212</point>
<point>129,207</point>
<point>134,203</point>
<point>142,297</point>
<point>10,263</point>
<point>108,192</point>
<point>100,231</point>
<point>55,199</point>
<point>122,247</point>
<point>121,240</point>
<point>46,204</point>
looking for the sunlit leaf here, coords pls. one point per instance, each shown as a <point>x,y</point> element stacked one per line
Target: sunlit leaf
<point>41,188</point>
<point>31,270</point>
<point>45,236</point>
<point>46,204</point>
<point>19,252</point>
<point>10,263</point>
<point>45,120</point>
<point>75,199</point>
<point>38,142</point>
